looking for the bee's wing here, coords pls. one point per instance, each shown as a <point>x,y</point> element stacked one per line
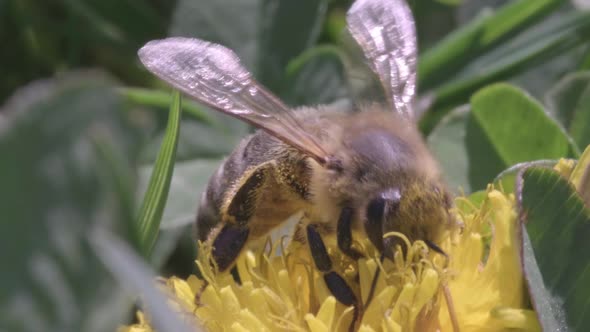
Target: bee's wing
<point>386,32</point>
<point>213,75</point>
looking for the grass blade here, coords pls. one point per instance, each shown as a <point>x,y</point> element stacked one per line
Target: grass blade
<point>482,34</point>
<point>572,32</point>
<point>154,201</point>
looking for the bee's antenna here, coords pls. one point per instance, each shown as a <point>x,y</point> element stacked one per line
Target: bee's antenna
<point>436,248</point>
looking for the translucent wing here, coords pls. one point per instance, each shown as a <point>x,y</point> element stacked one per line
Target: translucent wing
<point>386,32</point>
<point>213,75</point>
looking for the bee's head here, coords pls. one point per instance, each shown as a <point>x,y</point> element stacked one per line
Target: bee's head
<point>418,209</point>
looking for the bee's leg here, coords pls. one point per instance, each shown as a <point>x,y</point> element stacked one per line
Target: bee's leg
<point>228,244</point>
<point>231,238</point>
<point>344,234</point>
<point>335,282</point>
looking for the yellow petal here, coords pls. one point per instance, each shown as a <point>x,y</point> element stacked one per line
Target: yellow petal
<point>285,284</point>
<point>510,318</point>
<point>365,328</point>
<point>183,292</point>
<point>257,303</point>
<point>194,283</point>
<point>580,177</point>
<point>367,269</point>
<point>581,166</point>
<point>212,298</point>
<point>391,326</point>
<point>250,321</point>
<point>315,325</point>
<point>428,288</point>
<point>230,302</point>
<point>379,305</point>
<point>327,311</point>
<point>242,265</point>
<point>565,167</point>
<point>237,327</point>
<point>403,304</point>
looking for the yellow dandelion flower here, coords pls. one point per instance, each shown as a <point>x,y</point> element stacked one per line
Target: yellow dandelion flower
<point>478,287</point>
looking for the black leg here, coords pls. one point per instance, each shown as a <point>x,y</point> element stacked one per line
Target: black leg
<point>335,283</point>
<point>228,244</point>
<point>319,253</point>
<point>374,222</point>
<point>344,234</point>
<point>338,287</point>
<point>230,240</point>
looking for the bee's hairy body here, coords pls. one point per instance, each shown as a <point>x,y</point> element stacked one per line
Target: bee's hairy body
<point>378,151</point>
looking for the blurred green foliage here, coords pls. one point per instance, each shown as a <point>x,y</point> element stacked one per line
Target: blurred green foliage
<point>44,38</point>
<point>80,146</point>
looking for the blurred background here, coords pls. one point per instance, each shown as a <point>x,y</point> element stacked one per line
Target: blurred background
<point>82,121</point>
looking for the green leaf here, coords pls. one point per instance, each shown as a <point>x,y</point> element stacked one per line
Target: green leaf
<point>77,34</point>
<point>451,2</point>
<point>507,127</point>
<point>569,103</point>
<point>506,115</point>
<point>116,25</point>
<point>542,75</point>
<point>550,311</point>
<point>585,63</point>
<point>199,141</point>
<point>70,173</point>
<point>156,195</point>
<point>287,29</point>
<point>161,99</point>
<point>447,143</point>
<point>473,39</point>
<point>474,147</point>
<point>232,23</point>
<point>558,225</point>
<point>138,279</point>
<point>571,32</point>
<point>507,179</point>
<point>188,182</point>
<point>335,24</point>
<point>316,77</point>
<point>211,135</point>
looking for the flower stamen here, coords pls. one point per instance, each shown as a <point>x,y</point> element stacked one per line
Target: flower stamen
<point>451,307</point>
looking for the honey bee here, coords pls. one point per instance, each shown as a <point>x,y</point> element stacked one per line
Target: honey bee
<point>368,171</point>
